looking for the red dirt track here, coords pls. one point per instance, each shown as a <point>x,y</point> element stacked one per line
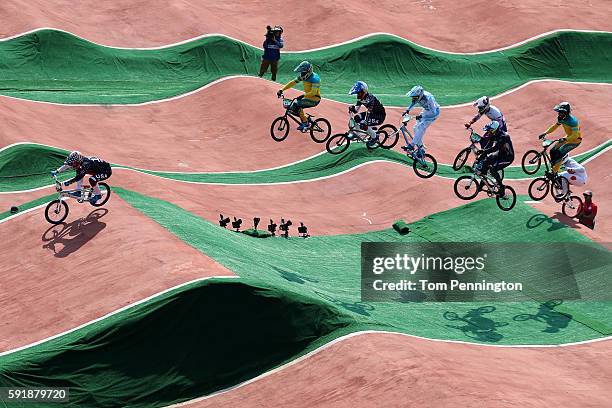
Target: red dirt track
<point>86,269</point>
<point>217,129</point>
<point>337,205</point>
<point>388,370</point>
<point>99,265</point>
<point>471,25</point>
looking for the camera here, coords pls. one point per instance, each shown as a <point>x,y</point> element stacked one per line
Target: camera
<point>223,221</point>
<point>303,230</point>
<point>236,223</point>
<point>272,227</point>
<point>272,31</point>
<point>284,226</point>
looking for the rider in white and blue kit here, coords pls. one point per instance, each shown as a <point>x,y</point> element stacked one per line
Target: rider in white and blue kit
<point>431,111</point>
<point>490,111</point>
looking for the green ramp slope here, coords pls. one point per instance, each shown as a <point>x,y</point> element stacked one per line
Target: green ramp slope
<point>189,342</point>
<point>26,166</point>
<point>55,66</point>
<point>328,267</point>
<point>293,295</point>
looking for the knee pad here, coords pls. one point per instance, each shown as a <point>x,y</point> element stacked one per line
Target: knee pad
<point>93,181</point>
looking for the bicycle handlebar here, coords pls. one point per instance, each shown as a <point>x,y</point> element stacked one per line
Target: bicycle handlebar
<point>58,184</point>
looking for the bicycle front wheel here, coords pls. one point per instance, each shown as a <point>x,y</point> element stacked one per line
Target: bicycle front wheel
<point>56,212</point>
<point>532,160</point>
<point>338,143</point>
<point>279,129</point>
<point>538,189</point>
<point>461,159</point>
<point>466,187</point>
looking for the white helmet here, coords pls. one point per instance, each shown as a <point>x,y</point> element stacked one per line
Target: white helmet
<point>482,104</point>
<point>416,92</point>
<point>74,157</point>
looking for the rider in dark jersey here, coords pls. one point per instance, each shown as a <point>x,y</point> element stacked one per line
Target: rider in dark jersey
<point>498,155</point>
<point>375,113</point>
<point>97,168</point>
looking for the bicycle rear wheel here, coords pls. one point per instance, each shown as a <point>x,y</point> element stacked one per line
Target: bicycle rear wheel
<point>392,136</point>
<point>320,130</point>
<point>106,192</point>
<point>559,188</point>
<point>572,206</point>
<point>507,202</point>
<point>338,143</point>
<point>426,167</point>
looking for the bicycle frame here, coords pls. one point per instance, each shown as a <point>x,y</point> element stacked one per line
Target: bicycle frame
<point>488,181</point>
<point>293,116</point>
<point>405,133</point>
<point>355,132</point>
<point>546,143</point>
<point>63,194</point>
<point>474,138</point>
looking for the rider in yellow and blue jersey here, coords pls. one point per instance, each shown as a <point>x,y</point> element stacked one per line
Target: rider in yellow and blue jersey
<point>572,139</point>
<point>312,91</point>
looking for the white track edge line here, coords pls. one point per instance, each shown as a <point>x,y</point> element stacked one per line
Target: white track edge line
<point>10,217</point>
<point>230,77</point>
<point>365,332</point>
<point>350,41</point>
<point>208,183</point>
<point>131,305</point>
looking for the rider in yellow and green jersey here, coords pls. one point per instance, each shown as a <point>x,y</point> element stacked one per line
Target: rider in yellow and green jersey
<point>572,139</point>
<point>312,91</point>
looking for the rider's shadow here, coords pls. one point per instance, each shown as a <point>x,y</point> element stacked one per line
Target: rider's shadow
<point>294,277</point>
<point>411,296</point>
<point>476,325</point>
<point>555,321</point>
<point>538,219</point>
<point>361,308</point>
<point>64,239</point>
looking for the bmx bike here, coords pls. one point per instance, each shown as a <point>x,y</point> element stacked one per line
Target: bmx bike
<point>551,182</point>
<point>57,210</point>
<point>423,164</point>
<point>467,187</point>
<point>464,154</point>
<point>319,129</point>
<point>339,142</point>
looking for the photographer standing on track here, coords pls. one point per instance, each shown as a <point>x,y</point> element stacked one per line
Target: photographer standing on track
<point>271,47</point>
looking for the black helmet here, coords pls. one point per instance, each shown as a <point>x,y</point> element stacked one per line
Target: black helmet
<point>563,108</point>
